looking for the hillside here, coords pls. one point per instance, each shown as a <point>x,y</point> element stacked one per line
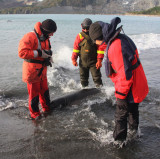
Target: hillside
<point>152,11</point>
<point>76,6</point>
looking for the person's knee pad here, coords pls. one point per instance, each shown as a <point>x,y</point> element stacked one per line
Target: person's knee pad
<point>34,104</point>
<point>47,97</point>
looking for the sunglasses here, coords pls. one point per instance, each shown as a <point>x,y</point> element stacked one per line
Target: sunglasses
<point>86,27</point>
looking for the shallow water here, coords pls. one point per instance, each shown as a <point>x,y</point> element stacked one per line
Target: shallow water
<point>84,129</point>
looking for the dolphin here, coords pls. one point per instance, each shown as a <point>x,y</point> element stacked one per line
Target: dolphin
<point>73,97</point>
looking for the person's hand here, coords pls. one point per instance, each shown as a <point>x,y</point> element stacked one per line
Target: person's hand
<point>121,103</point>
<point>99,64</point>
<point>51,60</point>
<point>74,62</point>
<point>44,54</point>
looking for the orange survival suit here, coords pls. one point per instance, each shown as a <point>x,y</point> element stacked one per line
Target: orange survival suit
<point>35,73</point>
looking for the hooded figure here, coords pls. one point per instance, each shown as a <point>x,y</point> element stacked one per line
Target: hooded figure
<point>90,55</point>
<point>35,49</point>
<point>123,66</point>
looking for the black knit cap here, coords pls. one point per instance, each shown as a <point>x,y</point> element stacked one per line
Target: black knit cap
<point>86,23</point>
<point>95,31</point>
<point>49,26</point>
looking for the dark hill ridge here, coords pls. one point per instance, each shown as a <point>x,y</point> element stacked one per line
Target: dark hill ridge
<point>10,3</point>
<point>76,6</point>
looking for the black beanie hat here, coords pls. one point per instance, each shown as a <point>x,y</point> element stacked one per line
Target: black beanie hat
<point>86,22</point>
<point>95,31</point>
<point>49,26</point>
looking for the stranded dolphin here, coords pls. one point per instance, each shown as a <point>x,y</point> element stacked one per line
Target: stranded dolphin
<point>73,97</point>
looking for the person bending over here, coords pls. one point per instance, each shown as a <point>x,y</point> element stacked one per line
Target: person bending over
<point>123,66</point>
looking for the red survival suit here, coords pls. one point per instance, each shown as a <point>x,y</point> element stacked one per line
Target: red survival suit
<point>35,74</point>
<point>128,77</point>
<point>123,66</point>
<point>130,84</point>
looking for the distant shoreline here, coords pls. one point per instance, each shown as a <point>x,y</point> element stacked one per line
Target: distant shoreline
<point>148,15</point>
<point>126,14</point>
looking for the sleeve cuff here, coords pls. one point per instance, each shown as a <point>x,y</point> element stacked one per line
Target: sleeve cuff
<point>35,53</point>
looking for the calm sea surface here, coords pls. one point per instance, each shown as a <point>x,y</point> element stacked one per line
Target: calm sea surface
<point>83,130</point>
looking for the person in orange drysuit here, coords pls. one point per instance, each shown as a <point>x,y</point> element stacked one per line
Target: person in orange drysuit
<point>35,49</point>
<point>123,66</point>
<point>90,56</point>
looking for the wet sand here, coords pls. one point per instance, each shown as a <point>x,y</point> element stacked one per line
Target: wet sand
<point>15,133</point>
<point>65,135</point>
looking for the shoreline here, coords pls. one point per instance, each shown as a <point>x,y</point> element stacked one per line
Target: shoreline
<point>125,14</point>
<point>148,15</point>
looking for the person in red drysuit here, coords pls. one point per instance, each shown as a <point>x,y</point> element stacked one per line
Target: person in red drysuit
<point>35,49</point>
<point>123,66</point>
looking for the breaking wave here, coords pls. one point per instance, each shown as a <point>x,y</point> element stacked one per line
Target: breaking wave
<point>146,41</point>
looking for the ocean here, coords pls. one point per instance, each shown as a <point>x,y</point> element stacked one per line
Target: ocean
<point>82,130</point>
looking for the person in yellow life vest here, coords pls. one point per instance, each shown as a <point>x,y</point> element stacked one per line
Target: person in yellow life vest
<point>35,49</point>
<point>90,55</point>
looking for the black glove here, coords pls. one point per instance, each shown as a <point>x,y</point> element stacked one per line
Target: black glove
<point>39,52</point>
<point>44,53</point>
<point>49,52</point>
<point>121,103</point>
<point>47,62</point>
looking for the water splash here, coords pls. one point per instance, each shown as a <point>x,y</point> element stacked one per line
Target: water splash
<point>146,41</point>
<point>60,77</point>
<point>6,104</point>
<point>62,58</point>
<point>9,103</point>
<point>105,137</point>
